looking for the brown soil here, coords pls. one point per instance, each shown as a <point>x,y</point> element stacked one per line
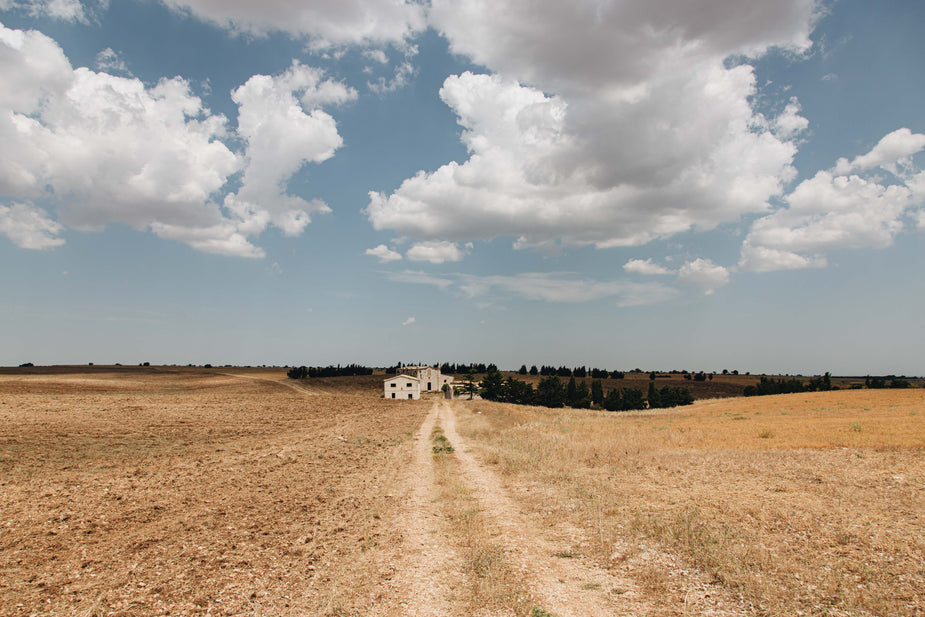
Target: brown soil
<point>427,571</point>
<point>146,493</point>
<point>238,492</point>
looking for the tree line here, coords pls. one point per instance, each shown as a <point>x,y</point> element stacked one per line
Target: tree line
<point>448,368</point>
<point>480,368</point>
<point>301,372</point>
<point>881,382</point>
<point>564,371</point>
<point>552,392</point>
<point>577,371</point>
<point>767,385</point>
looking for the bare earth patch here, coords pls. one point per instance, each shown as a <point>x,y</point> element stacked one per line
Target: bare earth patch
<point>236,492</point>
<point>428,570</point>
<point>184,494</point>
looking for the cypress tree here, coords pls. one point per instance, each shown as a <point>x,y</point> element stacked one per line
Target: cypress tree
<point>597,392</point>
<point>614,400</point>
<point>655,399</point>
<point>550,392</point>
<point>582,396</point>
<point>633,399</point>
<point>571,393</point>
<point>493,386</point>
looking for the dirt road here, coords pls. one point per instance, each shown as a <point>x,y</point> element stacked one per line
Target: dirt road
<point>193,493</point>
<point>433,571</point>
<point>565,584</point>
<point>471,545</point>
<point>427,570</point>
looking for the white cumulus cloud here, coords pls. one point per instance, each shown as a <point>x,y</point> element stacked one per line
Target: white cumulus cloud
<point>29,227</point>
<point>766,259</point>
<point>703,274</point>
<point>281,137</point>
<point>327,22</point>
<point>639,266</point>
<point>892,152</point>
<point>841,208</point>
<point>225,238</point>
<point>590,45</point>
<point>102,149</point>
<point>106,149</point>
<point>438,252</point>
<point>408,321</point>
<point>790,124</point>
<point>384,254</point>
<point>605,123</point>
<point>65,10</point>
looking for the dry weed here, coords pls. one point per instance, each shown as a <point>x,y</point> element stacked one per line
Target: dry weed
<point>493,587</point>
<point>781,500</point>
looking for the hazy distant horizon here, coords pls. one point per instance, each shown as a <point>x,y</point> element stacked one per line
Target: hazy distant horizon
<point>504,369</point>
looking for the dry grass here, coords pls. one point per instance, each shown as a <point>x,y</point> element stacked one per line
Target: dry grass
<point>800,504</point>
<point>492,586</point>
<point>189,493</point>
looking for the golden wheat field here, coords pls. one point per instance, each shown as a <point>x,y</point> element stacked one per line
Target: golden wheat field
<point>194,492</point>
<point>802,504</point>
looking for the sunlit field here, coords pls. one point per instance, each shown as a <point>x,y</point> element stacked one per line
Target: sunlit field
<point>240,492</point>
<point>184,492</point>
<point>802,504</point>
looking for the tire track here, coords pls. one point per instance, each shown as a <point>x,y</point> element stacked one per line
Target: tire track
<point>299,389</point>
<point>425,575</point>
<point>567,587</point>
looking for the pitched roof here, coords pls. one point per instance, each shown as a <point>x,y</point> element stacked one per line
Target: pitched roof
<point>402,376</point>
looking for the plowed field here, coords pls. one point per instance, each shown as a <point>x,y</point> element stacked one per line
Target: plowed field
<point>182,493</point>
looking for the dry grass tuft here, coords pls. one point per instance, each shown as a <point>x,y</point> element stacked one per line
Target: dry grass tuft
<point>493,587</point>
<point>806,503</point>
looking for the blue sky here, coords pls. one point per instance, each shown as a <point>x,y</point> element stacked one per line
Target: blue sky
<point>674,185</point>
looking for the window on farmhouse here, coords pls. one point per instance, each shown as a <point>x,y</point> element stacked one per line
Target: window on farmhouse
<point>393,385</point>
<point>409,385</point>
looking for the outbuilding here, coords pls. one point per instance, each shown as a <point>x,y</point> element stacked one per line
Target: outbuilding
<point>402,387</point>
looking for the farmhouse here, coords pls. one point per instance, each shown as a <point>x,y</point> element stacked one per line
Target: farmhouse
<point>413,381</point>
<point>431,378</point>
<point>402,386</point>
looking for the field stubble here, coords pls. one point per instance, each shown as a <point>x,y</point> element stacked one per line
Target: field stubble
<point>807,504</point>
